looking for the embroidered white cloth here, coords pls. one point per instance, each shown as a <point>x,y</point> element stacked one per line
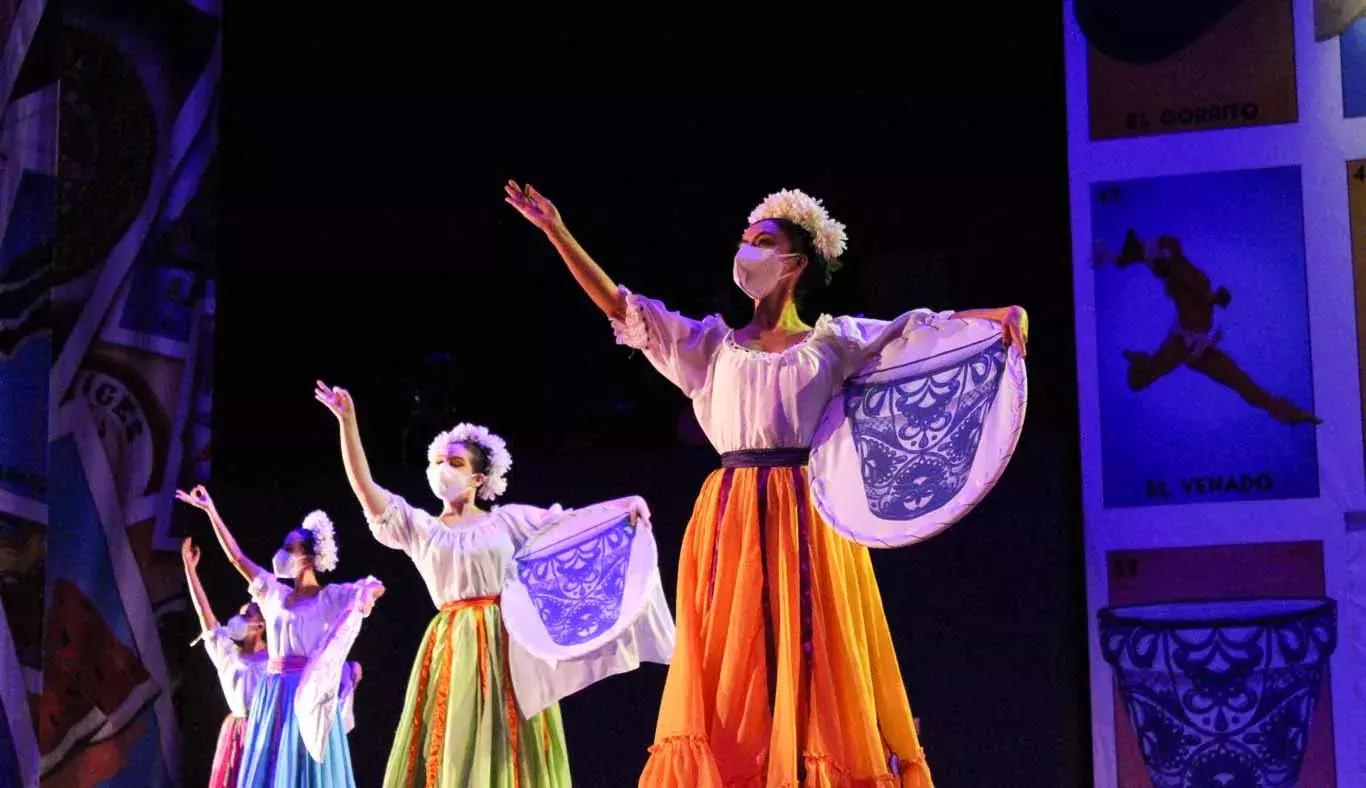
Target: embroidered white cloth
<point>582,601</point>
<point>328,680</point>
<point>919,435</point>
<point>609,576</point>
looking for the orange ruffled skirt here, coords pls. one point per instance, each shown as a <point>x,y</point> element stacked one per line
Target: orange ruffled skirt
<point>783,672</point>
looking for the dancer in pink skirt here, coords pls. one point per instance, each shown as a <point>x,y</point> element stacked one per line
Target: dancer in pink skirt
<point>238,651</point>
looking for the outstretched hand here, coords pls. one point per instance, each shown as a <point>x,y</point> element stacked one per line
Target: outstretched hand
<point>197,497</point>
<point>640,512</point>
<point>338,400</point>
<point>371,597</point>
<point>534,207</point>
<point>370,591</point>
<point>189,553</point>
<point>1016,328</point>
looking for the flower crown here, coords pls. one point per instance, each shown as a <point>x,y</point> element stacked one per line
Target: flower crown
<point>807,213</point>
<point>324,540</point>
<point>495,450</point>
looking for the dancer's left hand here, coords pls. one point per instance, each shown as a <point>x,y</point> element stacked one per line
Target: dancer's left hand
<point>1015,328</point>
<point>640,512</point>
<point>372,593</point>
<point>355,672</point>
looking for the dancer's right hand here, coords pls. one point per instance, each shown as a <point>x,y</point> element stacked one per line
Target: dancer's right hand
<point>198,498</point>
<point>534,207</point>
<point>338,400</point>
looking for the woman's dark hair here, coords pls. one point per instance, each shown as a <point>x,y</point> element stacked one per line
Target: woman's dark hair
<point>309,542</point>
<point>479,459</point>
<point>818,271</point>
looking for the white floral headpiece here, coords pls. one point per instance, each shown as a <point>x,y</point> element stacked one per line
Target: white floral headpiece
<point>808,213</point>
<point>324,540</point>
<point>495,450</point>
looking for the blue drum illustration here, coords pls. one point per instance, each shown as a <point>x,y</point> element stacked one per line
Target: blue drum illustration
<point>1221,693</point>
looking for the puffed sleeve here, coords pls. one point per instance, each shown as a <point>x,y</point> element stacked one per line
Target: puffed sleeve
<point>266,591</point>
<point>233,671</point>
<point>399,526</point>
<point>223,652</point>
<point>680,348</point>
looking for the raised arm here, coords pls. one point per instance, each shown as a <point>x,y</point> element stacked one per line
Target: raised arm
<point>190,554</point>
<point>199,499</point>
<point>339,401</point>
<point>590,276</point>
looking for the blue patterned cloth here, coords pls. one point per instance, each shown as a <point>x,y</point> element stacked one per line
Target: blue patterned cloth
<point>578,588</point>
<point>582,600</point>
<point>920,435</point>
<point>917,436</point>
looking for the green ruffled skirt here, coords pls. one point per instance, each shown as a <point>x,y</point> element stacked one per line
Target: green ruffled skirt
<point>460,726</point>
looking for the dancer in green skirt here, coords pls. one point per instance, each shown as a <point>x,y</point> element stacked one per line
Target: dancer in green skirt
<point>482,706</point>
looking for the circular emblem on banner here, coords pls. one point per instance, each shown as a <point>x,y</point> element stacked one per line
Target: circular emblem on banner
<point>132,424</point>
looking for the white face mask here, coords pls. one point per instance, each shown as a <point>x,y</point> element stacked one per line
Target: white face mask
<point>285,564</point>
<point>238,627</point>
<point>758,271</point>
<point>447,482</point>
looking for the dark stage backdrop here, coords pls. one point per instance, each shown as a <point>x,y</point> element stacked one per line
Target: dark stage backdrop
<point>369,246</point>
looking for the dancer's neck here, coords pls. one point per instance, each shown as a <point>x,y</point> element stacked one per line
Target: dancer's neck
<point>461,510</point>
<point>776,313</point>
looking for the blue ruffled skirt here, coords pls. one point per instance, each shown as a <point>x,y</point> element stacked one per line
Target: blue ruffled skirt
<point>274,755</point>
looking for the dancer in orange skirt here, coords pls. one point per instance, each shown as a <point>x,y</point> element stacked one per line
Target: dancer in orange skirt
<point>784,672</point>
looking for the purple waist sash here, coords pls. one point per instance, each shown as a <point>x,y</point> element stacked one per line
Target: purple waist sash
<point>766,458</point>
